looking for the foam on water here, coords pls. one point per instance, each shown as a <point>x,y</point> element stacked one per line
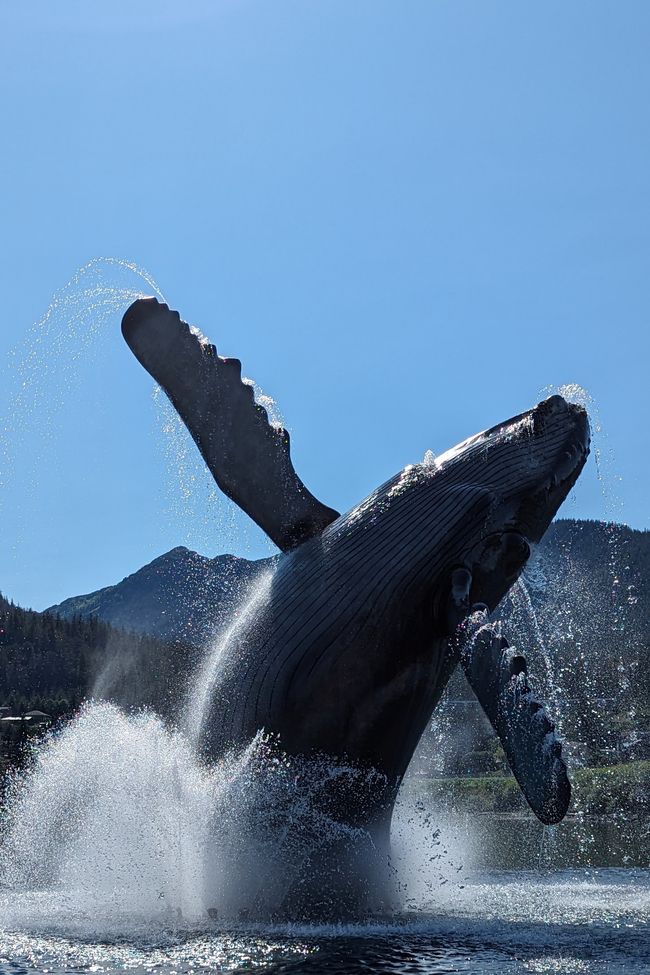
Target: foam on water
<point>44,368</point>
<point>127,825</point>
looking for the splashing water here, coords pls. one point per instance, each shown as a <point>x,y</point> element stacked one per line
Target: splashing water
<point>523,604</point>
<point>46,365</point>
<point>200,510</point>
<point>204,685</point>
<point>121,817</point>
<point>114,812</point>
<point>622,597</point>
<point>76,316</point>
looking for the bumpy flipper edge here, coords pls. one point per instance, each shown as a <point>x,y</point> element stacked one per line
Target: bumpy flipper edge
<point>247,456</point>
<point>498,676</point>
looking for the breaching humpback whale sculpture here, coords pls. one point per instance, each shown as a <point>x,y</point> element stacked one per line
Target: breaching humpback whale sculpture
<point>368,613</point>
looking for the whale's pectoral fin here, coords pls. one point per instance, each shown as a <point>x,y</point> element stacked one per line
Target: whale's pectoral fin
<point>498,676</point>
<point>248,457</point>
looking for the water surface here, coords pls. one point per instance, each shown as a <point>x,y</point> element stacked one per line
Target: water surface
<point>498,921</point>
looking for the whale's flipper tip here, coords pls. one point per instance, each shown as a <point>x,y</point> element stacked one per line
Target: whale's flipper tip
<point>498,676</point>
<point>534,751</point>
<point>154,334</point>
<point>247,456</point>
<point>137,313</point>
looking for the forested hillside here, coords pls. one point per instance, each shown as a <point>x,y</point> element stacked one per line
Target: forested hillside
<point>50,663</point>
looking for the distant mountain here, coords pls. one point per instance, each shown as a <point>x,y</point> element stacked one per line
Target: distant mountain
<point>179,596</point>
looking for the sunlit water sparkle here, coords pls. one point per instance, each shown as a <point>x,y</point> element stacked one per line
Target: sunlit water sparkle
<point>505,923</point>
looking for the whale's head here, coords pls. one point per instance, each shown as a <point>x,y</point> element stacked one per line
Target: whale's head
<point>482,504</point>
<point>529,463</point>
<point>525,466</point>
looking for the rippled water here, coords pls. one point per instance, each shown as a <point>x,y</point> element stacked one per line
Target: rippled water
<point>569,921</point>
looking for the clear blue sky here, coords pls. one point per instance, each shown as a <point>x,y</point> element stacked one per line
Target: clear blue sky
<point>406,219</point>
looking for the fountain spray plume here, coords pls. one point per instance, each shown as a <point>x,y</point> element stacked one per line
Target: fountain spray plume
<point>45,368</point>
<point>203,685</point>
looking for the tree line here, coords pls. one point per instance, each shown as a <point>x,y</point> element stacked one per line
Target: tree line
<point>52,664</point>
